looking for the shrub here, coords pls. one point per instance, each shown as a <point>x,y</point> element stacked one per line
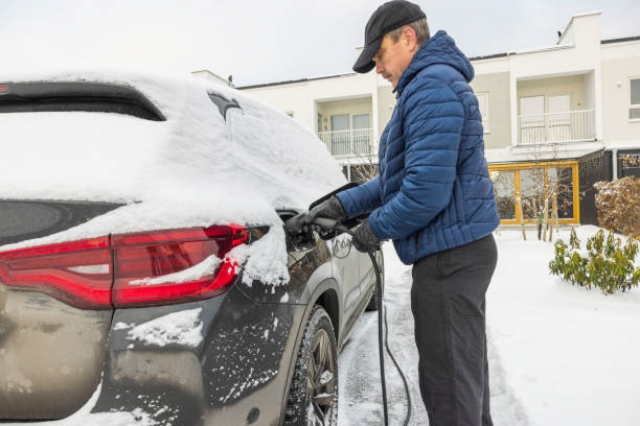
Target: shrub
<point>609,264</point>
<point>618,205</point>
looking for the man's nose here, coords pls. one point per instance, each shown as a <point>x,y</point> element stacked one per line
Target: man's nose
<point>379,68</point>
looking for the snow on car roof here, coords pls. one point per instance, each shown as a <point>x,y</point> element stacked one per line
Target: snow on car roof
<point>113,157</point>
<point>193,169</point>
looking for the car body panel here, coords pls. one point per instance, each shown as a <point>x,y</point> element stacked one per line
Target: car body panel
<point>48,347</point>
<point>244,348</point>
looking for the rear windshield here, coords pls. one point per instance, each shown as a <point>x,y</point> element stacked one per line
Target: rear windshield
<point>86,97</point>
<point>23,220</point>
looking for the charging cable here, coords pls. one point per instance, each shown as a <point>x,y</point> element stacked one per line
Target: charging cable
<point>332,225</point>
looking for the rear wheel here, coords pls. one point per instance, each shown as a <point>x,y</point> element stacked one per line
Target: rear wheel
<point>313,397</point>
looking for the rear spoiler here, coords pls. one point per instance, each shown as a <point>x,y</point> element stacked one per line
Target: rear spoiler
<point>76,96</point>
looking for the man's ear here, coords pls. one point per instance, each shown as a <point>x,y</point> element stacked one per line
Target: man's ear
<point>410,38</point>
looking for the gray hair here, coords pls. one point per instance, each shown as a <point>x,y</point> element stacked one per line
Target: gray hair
<point>420,27</point>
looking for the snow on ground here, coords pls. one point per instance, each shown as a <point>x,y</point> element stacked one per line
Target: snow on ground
<point>558,354</point>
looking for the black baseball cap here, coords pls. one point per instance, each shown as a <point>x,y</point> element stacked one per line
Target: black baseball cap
<point>391,15</point>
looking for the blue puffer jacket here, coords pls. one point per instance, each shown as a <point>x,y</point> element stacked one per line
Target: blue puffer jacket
<point>433,191</point>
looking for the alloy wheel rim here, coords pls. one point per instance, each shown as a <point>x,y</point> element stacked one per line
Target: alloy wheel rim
<point>322,390</point>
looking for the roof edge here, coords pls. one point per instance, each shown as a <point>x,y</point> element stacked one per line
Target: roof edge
<point>301,80</point>
<point>620,40</point>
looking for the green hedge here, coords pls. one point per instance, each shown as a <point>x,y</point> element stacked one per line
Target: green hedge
<point>609,264</point>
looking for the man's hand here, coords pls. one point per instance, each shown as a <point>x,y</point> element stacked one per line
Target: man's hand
<point>364,240</point>
<point>331,208</point>
<point>298,224</point>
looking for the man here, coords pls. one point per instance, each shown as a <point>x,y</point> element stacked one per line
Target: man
<point>434,199</point>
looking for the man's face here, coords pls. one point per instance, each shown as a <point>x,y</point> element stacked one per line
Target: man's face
<point>393,58</point>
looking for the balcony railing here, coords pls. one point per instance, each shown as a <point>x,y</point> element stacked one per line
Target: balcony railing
<point>348,142</point>
<point>570,126</point>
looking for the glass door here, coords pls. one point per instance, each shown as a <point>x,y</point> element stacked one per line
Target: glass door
<point>340,130</point>
<point>361,134</point>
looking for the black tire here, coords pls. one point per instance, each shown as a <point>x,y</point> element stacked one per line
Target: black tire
<point>373,302</point>
<point>313,397</point>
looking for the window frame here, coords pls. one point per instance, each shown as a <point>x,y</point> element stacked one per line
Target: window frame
<point>361,135</point>
<point>633,106</point>
<point>517,168</point>
<point>341,138</point>
<point>483,107</point>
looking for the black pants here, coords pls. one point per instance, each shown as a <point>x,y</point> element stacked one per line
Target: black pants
<point>448,305</point>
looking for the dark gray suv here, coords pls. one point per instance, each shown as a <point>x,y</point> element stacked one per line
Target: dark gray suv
<point>145,273</point>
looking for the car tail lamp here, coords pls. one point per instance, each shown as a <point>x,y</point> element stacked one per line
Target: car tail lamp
<point>190,264</point>
<point>127,270</point>
<point>78,272</point>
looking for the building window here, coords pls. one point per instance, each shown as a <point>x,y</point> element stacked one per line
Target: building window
<point>524,192</point>
<point>532,128</point>
<point>361,133</point>
<point>340,132</point>
<point>634,110</point>
<point>350,134</point>
<point>483,106</point>
<point>550,119</point>
<point>505,192</point>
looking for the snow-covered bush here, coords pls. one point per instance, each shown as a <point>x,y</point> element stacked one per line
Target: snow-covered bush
<point>618,205</point>
<point>608,265</point>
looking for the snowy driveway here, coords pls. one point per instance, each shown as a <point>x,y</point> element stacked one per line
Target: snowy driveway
<point>361,396</point>
<point>558,355</point>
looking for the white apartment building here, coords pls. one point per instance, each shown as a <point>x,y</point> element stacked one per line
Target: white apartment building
<point>556,119</point>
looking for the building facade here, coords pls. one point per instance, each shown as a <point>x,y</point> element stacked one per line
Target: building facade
<point>556,120</point>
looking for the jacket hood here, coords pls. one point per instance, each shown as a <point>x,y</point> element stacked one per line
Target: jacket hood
<point>439,49</point>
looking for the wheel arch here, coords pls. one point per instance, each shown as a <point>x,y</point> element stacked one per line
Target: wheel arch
<point>331,304</point>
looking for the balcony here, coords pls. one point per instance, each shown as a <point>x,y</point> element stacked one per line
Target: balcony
<point>353,142</point>
<point>570,126</point>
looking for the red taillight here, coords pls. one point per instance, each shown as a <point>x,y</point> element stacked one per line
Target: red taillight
<point>78,273</point>
<point>190,264</point>
<point>144,268</point>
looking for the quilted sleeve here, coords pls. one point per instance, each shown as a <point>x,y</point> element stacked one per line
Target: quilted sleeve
<point>362,199</point>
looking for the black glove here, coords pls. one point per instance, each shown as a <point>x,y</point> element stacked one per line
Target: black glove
<point>364,240</point>
<point>330,208</point>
